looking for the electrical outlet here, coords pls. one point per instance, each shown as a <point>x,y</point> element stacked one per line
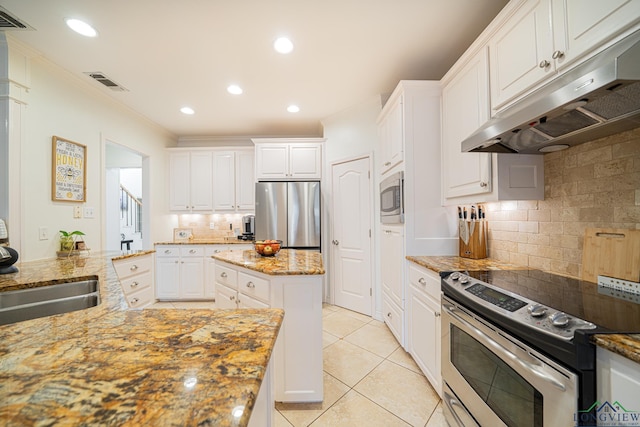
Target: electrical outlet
<point>212,226</point>
<point>43,233</point>
<point>77,211</point>
<point>89,212</point>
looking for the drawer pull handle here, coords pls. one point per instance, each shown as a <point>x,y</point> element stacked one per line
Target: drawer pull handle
<point>134,284</point>
<point>544,63</point>
<point>192,251</point>
<point>232,298</point>
<point>422,281</point>
<point>250,285</point>
<point>133,267</point>
<point>134,301</point>
<point>167,251</point>
<point>223,274</point>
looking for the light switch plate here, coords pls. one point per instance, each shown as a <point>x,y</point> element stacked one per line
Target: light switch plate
<point>43,233</point>
<point>89,212</point>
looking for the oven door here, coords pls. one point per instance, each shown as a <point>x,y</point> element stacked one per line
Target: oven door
<point>497,380</point>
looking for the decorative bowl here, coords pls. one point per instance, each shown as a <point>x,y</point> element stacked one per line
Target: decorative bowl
<point>267,247</point>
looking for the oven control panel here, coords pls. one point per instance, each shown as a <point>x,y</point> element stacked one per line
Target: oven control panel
<point>504,304</point>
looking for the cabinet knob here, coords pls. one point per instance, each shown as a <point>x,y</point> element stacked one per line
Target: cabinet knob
<point>251,285</point>
<point>223,274</point>
<point>557,54</point>
<point>167,251</point>
<point>437,314</point>
<point>134,300</point>
<point>192,251</point>
<point>232,297</point>
<point>483,184</point>
<point>216,251</point>
<point>387,163</point>
<point>544,63</point>
<point>133,267</point>
<point>422,281</point>
<point>134,284</point>
<point>335,242</point>
<point>389,315</point>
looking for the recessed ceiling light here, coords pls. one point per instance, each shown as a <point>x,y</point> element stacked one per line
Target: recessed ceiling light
<point>234,89</point>
<point>283,45</point>
<point>293,108</point>
<point>187,110</point>
<point>81,27</point>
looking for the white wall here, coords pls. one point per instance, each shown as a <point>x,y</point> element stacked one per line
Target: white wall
<point>63,105</point>
<point>352,133</point>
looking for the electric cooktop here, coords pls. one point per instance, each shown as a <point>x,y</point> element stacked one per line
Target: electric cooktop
<point>611,309</point>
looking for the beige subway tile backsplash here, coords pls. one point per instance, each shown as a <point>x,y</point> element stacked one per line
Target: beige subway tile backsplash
<point>596,184</point>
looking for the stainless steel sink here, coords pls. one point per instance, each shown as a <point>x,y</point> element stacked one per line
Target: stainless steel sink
<point>25,304</point>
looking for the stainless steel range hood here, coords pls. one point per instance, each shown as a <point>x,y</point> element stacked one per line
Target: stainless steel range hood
<point>598,98</point>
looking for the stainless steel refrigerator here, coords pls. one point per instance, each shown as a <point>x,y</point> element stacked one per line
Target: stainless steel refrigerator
<point>289,211</point>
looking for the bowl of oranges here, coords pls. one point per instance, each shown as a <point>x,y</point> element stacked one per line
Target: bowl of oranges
<point>267,247</point>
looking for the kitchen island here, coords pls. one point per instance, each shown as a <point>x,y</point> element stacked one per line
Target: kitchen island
<point>109,365</point>
<point>291,280</point>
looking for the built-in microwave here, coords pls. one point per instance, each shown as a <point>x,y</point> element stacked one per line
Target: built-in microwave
<point>392,199</point>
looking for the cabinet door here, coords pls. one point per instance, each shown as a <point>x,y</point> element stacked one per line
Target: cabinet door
<point>392,136</point>
<point>424,335</point>
<point>272,161</point>
<point>210,279</point>
<point>305,160</point>
<point>520,52</point>
<point>226,297</point>
<point>245,181</point>
<point>167,277</point>
<point>179,179</point>
<point>579,26</point>
<point>224,181</point>
<point>465,107</point>
<point>391,262</point>
<point>201,187</point>
<point>192,277</point>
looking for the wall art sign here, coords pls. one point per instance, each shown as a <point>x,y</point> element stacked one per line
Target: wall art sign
<point>69,180</point>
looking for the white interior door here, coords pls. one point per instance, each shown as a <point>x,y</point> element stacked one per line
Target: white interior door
<point>351,235</point>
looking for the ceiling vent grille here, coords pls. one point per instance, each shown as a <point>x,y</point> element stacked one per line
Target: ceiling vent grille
<point>106,81</point>
<point>10,22</point>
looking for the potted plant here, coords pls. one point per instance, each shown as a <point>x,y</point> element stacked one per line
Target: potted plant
<point>68,240</point>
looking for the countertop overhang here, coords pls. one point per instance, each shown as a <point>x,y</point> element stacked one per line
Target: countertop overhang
<point>287,262</point>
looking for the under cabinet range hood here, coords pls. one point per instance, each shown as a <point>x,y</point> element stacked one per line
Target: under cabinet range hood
<point>598,98</point>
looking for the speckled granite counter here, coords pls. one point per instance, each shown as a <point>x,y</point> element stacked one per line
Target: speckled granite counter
<point>108,365</point>
<point>287,262</point>
<point>456,263</point>
<point>217,241</point>
<point>623,344</point>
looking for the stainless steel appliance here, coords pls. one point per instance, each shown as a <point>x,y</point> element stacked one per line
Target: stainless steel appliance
<point>599,97</point>
<point>248,227</point>
<point>289,211</point>
<point>392,199</point>
<point>8,256</point>
<point>516,348</point>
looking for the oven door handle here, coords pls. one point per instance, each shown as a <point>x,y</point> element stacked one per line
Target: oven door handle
<point>499,348</point>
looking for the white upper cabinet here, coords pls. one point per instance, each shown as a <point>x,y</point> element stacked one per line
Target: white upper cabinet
<point>543,37</point>
<point>465,107</point>
<point>190,181</point>
<point>288,158</point>
<point>233,181</point>
<point>391,132</point>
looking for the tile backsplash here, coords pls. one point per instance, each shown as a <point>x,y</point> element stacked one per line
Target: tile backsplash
<point>224,224</point>
<point>596,184</point>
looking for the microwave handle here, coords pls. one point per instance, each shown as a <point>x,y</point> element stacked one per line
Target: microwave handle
<point>505,353</point>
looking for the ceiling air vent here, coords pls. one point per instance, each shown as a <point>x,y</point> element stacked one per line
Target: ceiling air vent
<point>10,22</point>
<point>100,77</point>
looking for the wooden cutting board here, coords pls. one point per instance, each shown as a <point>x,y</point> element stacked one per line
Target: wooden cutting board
<point>611,252</point>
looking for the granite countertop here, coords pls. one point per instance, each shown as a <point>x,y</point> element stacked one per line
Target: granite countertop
<point>627,345</point>
<point>109,365</point>
<point>287,262</point>
<point>213,241</point>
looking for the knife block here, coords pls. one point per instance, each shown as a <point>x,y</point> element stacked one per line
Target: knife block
<point>476,247</point>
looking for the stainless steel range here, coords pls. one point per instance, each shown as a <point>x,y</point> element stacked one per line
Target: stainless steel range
<point>516,345</point>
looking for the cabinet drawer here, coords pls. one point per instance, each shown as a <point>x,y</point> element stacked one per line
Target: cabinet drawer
<point>426,281</point>
<point>254,287</point>
<point>141,298</point>
<point>248,302</point>
<point>132,266</point>
<point>214,249</point>
<point>136,283</point>
<point>189,250</point>
<point>167,251</point>
<point>226,276</point>
<point>393,318</point>
<point>226,297</point>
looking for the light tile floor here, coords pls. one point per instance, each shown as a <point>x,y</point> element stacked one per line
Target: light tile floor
<point>369,380</point>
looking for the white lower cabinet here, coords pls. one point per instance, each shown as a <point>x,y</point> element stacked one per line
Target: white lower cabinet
<point>136,279</point>
<point>180,272</point>
<point>618,378</point>
<point>263,412</point>
<point>297,360</point>
<point>423,324</point>
<point>391,271</point>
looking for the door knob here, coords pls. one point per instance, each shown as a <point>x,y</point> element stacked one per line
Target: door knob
<point>335,242</point>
